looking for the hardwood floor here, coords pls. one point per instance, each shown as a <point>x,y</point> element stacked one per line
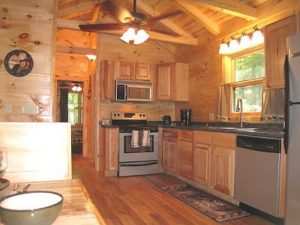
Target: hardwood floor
<point>139,201</point>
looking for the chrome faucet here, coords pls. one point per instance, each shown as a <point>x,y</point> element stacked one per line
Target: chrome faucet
<point>239,108</point>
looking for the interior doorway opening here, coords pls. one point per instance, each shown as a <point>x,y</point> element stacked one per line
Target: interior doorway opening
<point>70,105</point>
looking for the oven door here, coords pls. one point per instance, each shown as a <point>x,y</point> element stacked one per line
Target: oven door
<point>129,154</point>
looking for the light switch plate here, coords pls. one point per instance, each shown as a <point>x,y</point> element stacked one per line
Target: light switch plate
<point>30,109</point>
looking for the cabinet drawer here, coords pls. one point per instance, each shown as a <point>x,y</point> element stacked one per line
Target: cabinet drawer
<point>223,139</point>
<point>170,134</point>
<point>202,137</point>
<point>186,135</point>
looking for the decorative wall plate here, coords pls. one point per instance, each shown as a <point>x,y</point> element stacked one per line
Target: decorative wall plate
<point>18,63</point>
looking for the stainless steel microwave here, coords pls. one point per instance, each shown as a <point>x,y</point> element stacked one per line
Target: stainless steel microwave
<point>140,91</point>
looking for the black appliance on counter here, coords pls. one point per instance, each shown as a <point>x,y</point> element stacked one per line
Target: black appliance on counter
<point>166,120</point>
<point>186,117</point>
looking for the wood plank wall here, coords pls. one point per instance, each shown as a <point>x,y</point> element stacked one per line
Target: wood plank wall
<point>205,76</point>
<point>27,25</point>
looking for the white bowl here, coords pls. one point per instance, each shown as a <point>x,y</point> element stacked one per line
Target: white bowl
<point>31,208</point>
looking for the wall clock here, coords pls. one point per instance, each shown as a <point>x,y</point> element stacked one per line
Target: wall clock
<point>18,63</point>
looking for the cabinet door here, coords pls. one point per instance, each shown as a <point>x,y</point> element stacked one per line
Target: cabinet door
<point>275,50</point>
<point>201,163</point>
<point>185,159</point>
<point>164,82</point>
<point>223,169</point>
<point>142,71</point>
<point>107,73</point>
<point>181,83</point>
<point>125,70</point>
<point>169,155</point>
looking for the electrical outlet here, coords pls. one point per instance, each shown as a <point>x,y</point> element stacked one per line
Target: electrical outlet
<point>30,109</point>
<point>211,116</point>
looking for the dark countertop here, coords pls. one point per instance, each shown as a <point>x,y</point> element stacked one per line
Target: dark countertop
<point>250,129</point>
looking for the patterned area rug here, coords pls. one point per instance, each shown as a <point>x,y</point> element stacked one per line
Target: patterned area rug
<point>209,205</point>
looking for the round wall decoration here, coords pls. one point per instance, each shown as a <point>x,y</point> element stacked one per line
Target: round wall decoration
<point>18,63</point>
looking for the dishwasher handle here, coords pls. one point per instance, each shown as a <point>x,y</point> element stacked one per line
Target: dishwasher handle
<point>259,144</point>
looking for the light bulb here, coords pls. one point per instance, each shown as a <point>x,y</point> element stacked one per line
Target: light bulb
<point>224,49</point>
<point>129,35</point>
<point>79,88</point>
<point>74,88</point>
<point>257,37</point>
<point>141,37</point>
<point>245,41</point>
<point>233,45</point>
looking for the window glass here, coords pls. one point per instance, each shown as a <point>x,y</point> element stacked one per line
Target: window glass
<point>251,96</point>
<point>74,107</point>
<point>249,67</point>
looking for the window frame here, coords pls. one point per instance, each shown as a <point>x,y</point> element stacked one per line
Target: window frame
<point>230,78</point>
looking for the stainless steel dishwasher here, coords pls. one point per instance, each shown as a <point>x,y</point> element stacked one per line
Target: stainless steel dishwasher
<point>257,173</point>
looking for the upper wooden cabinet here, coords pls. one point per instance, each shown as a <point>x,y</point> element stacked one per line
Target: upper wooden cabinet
<point>107,80</point>
<point>125,70</point>
<point>172,82</point>
<point>132,71</point>
<point>142,71</point>
<point>275,50</point>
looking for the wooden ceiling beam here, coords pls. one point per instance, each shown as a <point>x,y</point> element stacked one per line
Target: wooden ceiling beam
<point>269,12</point>
<point>231,7</point>
<point>198,16</point>
<point>167,22</point>
<point>77,9</point>
<point>74,25</point>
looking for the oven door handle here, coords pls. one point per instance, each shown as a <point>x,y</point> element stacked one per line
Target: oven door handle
<point>138,164</point>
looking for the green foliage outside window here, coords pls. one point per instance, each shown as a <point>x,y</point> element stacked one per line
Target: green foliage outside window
<point>249,68</point>
<point>74,107</point>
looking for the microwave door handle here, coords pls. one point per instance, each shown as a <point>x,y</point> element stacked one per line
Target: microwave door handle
<point>126,92</point>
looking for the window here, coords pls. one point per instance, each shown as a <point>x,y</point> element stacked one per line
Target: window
<point>247,73</point>
<point>75,108</point>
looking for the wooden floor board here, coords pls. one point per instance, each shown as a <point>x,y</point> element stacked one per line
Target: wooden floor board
<point>138,200</point>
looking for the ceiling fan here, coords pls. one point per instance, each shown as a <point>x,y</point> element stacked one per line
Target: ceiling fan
<point>135,22</point>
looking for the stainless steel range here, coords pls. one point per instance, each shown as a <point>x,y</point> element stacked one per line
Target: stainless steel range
<point>138,144</point>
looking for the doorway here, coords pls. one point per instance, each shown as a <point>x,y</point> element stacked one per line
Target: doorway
<point>70,109</point>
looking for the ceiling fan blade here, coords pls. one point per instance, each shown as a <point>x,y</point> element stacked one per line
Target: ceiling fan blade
<point>101,26</point>
<point>153,20</point>
<point>117,10</point>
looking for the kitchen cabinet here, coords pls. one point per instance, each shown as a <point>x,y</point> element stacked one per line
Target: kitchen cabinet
<point>275,50</point>
<point>172,82</point>
<point>125,70</point>
<point>185,154</point>
<point>142,71</point>
<point>169,148</point>
<point>202,157</point>
<point>107,79</point>
<point>223,159</point>
<point>109,150</point>
<point>133,71</point>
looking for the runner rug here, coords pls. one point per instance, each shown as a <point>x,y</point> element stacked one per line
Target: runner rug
<point>213,207</point>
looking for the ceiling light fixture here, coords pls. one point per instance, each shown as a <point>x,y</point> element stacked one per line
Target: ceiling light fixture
<point>77,88</point>
<point>233,45</point>
<point>133,36</point>
<point>91,57</point>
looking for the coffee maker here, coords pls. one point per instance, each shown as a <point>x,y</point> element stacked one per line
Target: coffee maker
<point>186,117</point>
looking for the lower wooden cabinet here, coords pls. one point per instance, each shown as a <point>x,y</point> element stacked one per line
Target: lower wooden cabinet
<point>185,159</point>
<point>223,169</point>
<point>170,149</point>
<point>201,163</point>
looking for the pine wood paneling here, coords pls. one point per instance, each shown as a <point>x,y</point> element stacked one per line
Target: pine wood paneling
<point>26,25</point>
